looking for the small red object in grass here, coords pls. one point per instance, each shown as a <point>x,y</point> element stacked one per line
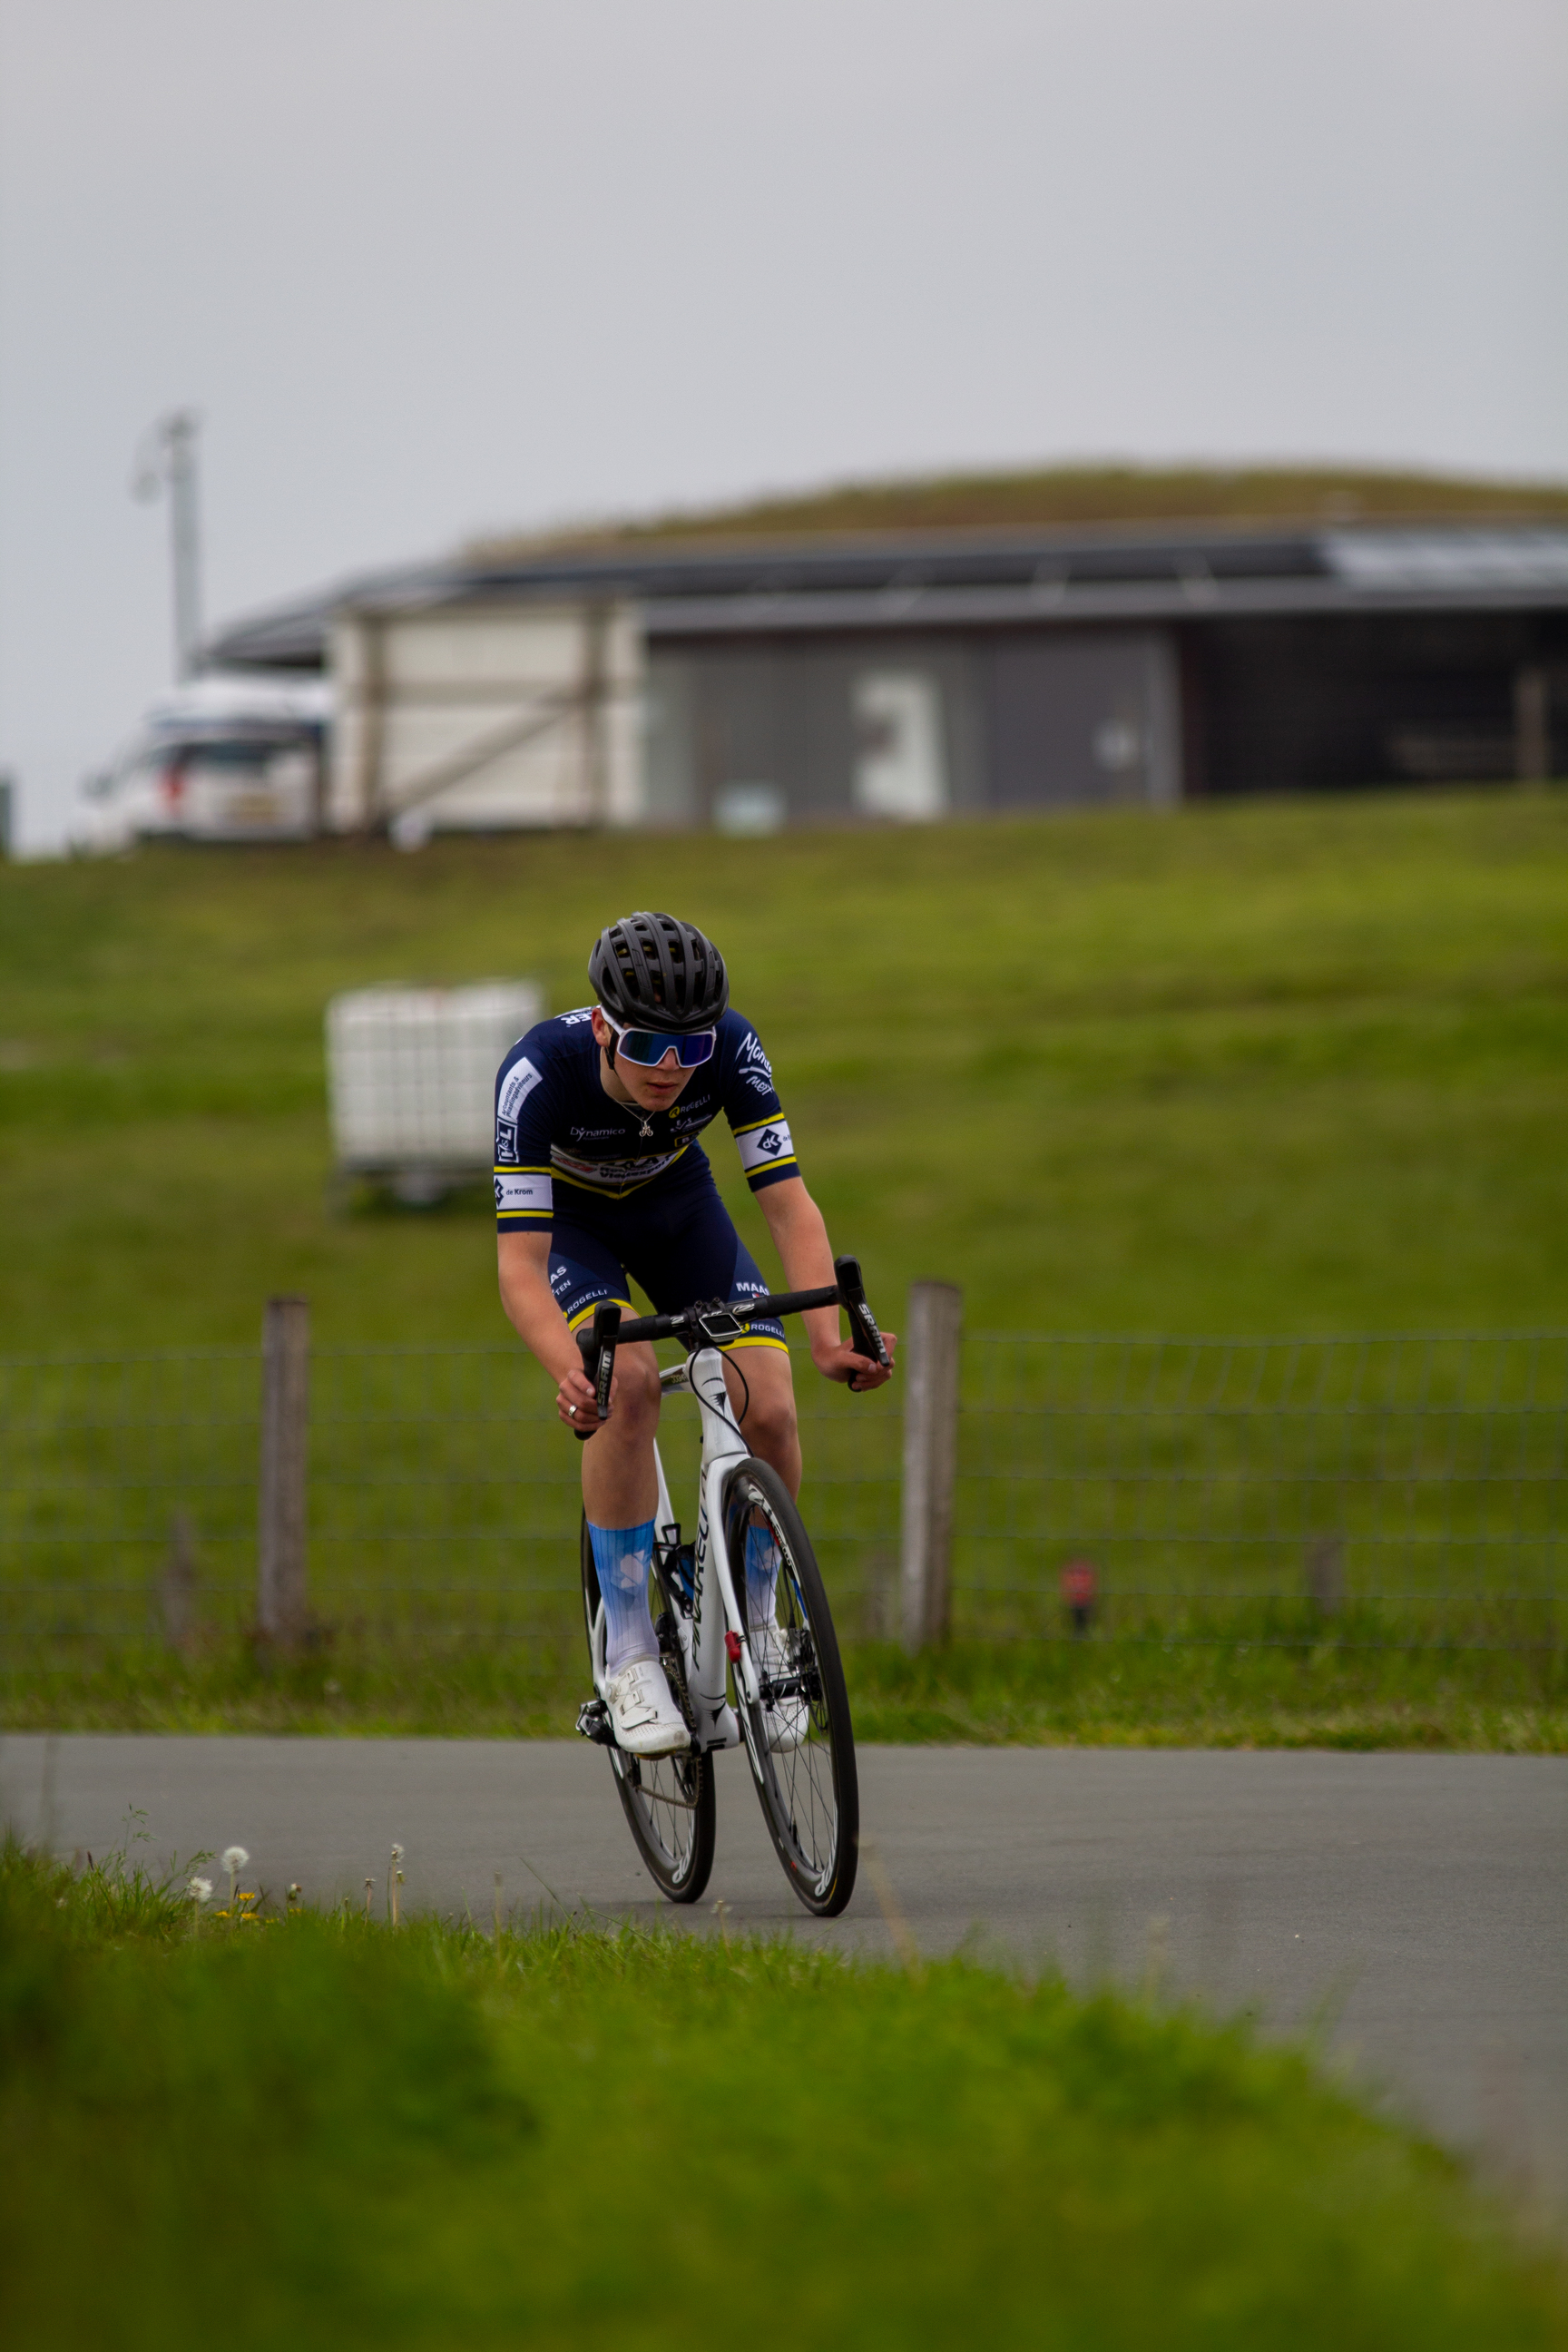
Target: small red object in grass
<point>732,1648</point>
<point>1080,1584</point>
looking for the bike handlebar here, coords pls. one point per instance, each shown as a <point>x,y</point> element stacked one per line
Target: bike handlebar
<point>692,1326</point>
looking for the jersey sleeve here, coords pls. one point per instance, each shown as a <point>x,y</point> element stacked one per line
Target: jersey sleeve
<point>754,1111</point>
<point>524,1195</point>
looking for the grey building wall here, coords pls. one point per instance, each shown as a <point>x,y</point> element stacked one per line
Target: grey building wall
<point>915,725</point>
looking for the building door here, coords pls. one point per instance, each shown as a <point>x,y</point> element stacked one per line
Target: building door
<point>1083,721</point>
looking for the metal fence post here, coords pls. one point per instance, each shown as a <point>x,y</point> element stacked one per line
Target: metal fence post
<point>282,1601</point>
<point>929,1360</point>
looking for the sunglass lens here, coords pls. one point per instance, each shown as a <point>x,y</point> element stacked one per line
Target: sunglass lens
<point>648,1047</point>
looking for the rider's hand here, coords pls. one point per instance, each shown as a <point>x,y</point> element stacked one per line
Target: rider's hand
<point>840,1362</point>
<point>576,1389</point>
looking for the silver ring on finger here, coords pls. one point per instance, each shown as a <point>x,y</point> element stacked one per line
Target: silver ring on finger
<point>571,1413</point>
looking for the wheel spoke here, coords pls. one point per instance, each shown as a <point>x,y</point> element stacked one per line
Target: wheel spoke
<point>799,1787</point>
<point>667,1799</point>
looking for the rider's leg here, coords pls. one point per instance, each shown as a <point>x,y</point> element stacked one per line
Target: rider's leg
<point>620,1497</point>
<point>763,1393</point>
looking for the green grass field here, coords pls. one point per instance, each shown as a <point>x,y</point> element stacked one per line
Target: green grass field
<point>315,2130</point>
<point>1300,1690</point>
<point>1268,1069</point>
<point>1262,1068</point>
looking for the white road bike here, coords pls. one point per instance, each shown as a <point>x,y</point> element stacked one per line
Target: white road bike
<point>779,1695</point>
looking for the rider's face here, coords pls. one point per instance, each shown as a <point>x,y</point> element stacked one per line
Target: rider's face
<point>630,1082</point>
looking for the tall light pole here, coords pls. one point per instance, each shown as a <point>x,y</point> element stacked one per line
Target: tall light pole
<point>167,459</point>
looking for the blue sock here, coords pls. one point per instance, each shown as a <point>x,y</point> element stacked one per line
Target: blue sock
<point>622,1556</point>
<point>761,1575</point>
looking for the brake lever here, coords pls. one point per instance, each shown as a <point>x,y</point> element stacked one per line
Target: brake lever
<point>868,1339</point>
<point>598,1352</point>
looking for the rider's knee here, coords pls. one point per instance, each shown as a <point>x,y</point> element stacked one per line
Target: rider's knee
<point>769,1417</point>
<point>636,1396</point>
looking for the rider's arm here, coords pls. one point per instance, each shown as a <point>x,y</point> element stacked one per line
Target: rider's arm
<point>800,1238</point>
<point>523,1266</point>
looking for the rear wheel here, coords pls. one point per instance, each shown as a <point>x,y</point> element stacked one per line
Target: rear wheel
<point>806,1780</point>
<point>667,1799</point>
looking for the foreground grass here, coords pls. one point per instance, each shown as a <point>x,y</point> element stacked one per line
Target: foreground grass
<point>1276,1693</point>
<point>318,2131</point>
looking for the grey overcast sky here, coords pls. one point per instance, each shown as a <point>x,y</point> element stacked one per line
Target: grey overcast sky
<point>429,268</point>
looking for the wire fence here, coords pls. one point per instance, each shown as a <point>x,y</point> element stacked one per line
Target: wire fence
<point>1410,1488</point>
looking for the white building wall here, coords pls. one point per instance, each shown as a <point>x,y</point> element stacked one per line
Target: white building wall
<point>476,717</point>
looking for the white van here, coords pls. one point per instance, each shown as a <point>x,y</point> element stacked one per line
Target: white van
<point>222,759</point>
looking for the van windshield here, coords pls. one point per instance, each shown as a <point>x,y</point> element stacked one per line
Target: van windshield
<point>246,756</point>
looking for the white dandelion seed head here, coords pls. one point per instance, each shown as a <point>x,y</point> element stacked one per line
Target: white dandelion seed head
<point>235,1857</point>
<point>293,1890</point>
<point>397,1853</point>
<point>200,1890</point>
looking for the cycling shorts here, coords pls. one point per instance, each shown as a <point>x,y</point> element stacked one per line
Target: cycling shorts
<point>680,1244</point>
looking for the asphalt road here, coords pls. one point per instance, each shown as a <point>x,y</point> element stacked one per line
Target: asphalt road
<point>1416,1907</point>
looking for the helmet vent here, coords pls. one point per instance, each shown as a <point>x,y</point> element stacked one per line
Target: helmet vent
<point>653,967</point>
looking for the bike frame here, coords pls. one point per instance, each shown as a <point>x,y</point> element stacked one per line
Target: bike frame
<point>713,1635</point>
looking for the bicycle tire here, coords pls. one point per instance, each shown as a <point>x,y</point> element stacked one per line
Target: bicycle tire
<point>659,1794</point>
<point>809,1794</point>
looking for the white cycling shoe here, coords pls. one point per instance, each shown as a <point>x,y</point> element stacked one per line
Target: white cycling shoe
<point>646,1718</point>
<point>787,1719</point>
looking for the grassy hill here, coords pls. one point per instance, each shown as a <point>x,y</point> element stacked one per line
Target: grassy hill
<point>1265,1069</point>
<point>1092,496</point>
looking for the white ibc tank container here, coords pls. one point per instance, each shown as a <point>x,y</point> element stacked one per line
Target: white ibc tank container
<point>411,1073</point>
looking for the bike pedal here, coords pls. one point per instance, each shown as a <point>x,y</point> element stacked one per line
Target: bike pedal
<point>594,1723</point>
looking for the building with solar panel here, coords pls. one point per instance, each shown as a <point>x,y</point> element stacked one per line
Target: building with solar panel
<point>908,676</point>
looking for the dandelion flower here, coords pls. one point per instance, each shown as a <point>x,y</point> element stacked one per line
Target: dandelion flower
<point>397,1853</point>
<point>234,1858</point>
<point>200,1890</point>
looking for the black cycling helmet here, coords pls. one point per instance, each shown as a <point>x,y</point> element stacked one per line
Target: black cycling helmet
<point>654,972</point>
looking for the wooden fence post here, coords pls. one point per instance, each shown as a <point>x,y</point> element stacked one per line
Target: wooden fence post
<point>177,1586</point>
<point>281,1597</point>
<point>928,1359</point>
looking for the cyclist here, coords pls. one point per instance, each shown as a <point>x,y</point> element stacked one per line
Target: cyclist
<point>599,1174</point>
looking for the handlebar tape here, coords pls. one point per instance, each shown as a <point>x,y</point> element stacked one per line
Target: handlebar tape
<point>863,1328</point>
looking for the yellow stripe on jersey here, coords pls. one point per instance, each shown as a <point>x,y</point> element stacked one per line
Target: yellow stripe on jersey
<point>586,1314</point>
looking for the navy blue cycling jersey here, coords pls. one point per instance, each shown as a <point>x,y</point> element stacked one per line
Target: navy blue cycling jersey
<point>556,1126</point>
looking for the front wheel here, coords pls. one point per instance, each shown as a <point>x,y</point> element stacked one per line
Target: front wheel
<point>798,1736</point>
<point>667,1799</point>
